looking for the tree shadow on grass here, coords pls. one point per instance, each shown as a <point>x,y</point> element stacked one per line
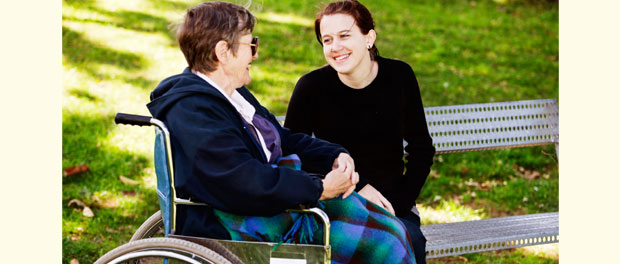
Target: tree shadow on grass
<point>84,95</point>
<point>131,20</point>
<point>118,208</point>
<point>82,53</point>
<point>83,143</point>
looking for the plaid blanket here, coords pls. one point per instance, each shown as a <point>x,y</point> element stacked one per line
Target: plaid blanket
<point>361,232</point>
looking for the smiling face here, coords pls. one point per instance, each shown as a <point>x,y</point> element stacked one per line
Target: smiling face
<point>344,46</point>
<point>238,70</point>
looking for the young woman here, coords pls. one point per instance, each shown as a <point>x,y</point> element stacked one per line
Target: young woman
<point>368,104</point>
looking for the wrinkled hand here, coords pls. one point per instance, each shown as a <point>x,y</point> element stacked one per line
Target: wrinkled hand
<point>373,195</point>
<point>339,181</point>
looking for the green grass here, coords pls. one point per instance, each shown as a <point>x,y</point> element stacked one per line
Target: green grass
<point>115,53</point>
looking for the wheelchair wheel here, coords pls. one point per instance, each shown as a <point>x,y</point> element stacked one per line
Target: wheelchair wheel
<point>158,250</point>
<point>152,227</point>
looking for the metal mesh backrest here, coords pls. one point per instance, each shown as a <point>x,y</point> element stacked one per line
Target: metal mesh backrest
<point>164,192</point>
<point>459,128</point>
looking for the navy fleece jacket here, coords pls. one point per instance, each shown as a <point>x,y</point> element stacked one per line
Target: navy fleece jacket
<point>218,162</point>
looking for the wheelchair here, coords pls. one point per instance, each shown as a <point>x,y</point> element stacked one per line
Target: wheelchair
<point>155,242</point>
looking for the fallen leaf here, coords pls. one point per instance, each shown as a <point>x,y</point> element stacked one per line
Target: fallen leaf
<point>461,258</point>
<point>74,261</point>
<point>128,181</point>
<point>471,183</point>
<point>87,212</point>
<point>533,175</point>
<point>75,170</point>
<point>76,202</point>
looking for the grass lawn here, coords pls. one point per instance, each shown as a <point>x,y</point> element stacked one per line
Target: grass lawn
<point>115,52</point>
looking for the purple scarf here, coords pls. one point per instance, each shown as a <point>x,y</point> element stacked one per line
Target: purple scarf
<point>270,135</point>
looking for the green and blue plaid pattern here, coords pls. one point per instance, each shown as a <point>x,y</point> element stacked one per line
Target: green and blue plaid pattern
<point>361,231</point>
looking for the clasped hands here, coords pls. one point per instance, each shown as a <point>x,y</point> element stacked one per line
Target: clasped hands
<point>341,179</point>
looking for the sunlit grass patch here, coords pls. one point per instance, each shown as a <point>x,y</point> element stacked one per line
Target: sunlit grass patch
<point>149,180</point>
<point>512,256</point>
<point>449,211</point>
<point>286,19</point>
<point>550,251</point>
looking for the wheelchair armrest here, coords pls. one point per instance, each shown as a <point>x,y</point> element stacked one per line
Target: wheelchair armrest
<point>187,202</point>
<point>129,119</point>
<point>322,215</point>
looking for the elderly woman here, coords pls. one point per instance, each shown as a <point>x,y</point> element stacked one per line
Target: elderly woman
<point>368,104</point>
<point>226,147</point>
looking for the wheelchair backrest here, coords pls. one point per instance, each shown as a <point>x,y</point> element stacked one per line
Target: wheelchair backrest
<point>164,176</point>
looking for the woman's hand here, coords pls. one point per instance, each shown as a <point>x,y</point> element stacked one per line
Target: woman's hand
<point>371,194</point>
<point>339,181</point>
<point>344,161</point>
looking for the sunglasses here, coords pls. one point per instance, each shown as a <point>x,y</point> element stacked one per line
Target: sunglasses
<point>253,45</point>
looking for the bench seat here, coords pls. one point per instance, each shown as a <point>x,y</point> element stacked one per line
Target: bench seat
<point>458,238</point>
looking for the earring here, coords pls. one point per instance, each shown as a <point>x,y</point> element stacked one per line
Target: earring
<point>369,46</point>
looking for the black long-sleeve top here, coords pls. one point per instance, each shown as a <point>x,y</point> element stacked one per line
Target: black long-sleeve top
<point>370,123</point>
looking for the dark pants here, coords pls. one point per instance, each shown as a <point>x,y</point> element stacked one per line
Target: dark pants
<point>412,223</point>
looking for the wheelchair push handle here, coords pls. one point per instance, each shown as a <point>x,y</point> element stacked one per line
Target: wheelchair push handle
<point>129,119</point>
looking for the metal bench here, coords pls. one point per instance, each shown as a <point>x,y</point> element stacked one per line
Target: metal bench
<point>475,127</point>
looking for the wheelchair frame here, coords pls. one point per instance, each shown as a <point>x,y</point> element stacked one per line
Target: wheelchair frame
<point>197,249</point>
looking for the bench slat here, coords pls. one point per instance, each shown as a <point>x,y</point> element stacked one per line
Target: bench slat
<point>491,234</point>
<point>458,128</point>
